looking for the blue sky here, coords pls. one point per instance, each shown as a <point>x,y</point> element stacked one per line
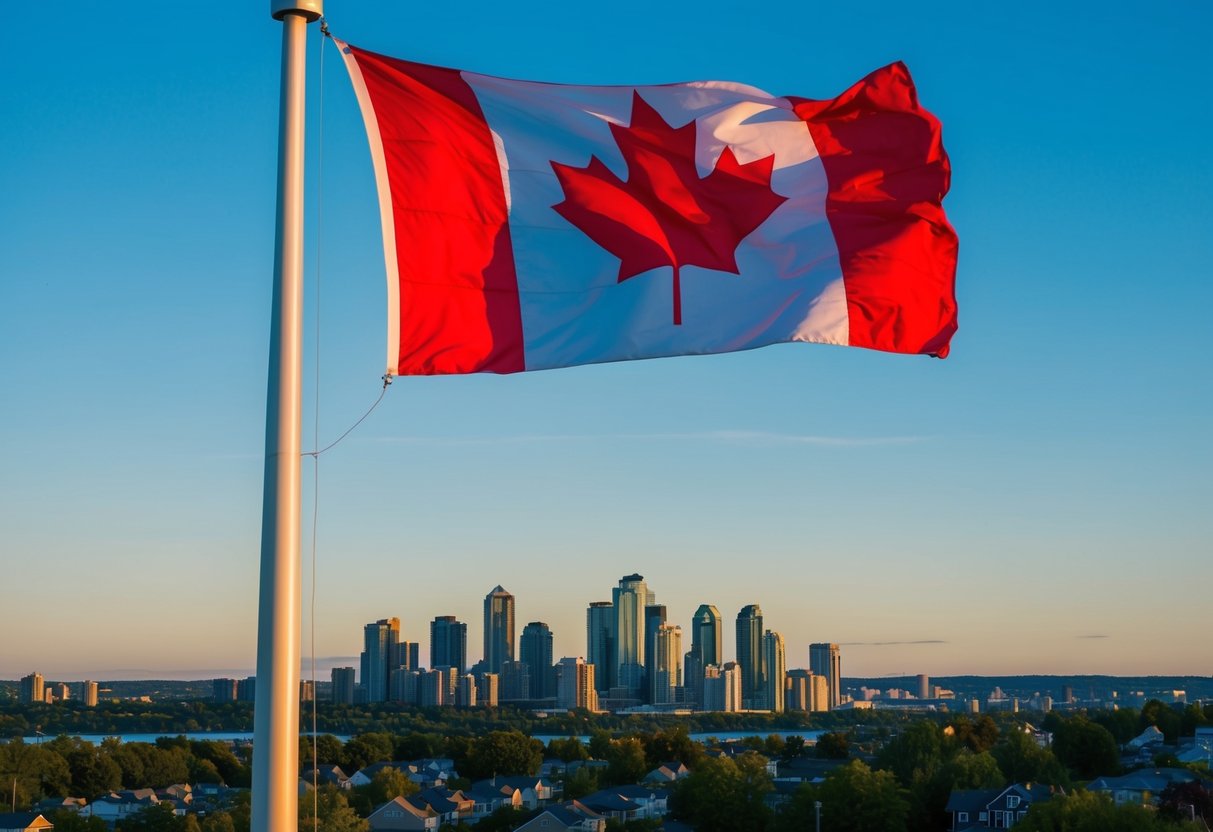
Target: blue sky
<point>1049,482</point>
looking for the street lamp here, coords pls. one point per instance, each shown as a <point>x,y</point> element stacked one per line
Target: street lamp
<point>817,806</point>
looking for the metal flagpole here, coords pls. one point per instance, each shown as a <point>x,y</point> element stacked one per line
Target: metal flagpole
<point>276,713</point>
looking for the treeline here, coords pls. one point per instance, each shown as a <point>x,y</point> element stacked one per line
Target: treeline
<point>176,717</point>
<point>894,776</point>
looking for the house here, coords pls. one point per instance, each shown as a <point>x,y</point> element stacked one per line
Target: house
<point>56,804</point>
<point>536,791</point>
<point>994,808</point>
<point>450,806</point>
<point>327,774</point>
<point>117,806</point>
<point>653,802</point>
<point>667,773</point>
<point>24,822</point>
<point>573,815</point>
<point>1140,787</point>
<point>364,775</point>
<point>625,803</point>
<point>1147,737</point>
<point>400,814</point>
<point>488,798</point>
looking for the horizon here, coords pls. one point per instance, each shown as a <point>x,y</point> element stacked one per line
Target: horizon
<point>1038,502</point>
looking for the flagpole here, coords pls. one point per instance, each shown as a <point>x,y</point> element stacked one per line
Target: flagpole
<point>276,710</point>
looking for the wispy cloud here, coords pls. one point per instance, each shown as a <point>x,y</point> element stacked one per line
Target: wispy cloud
<point>1093,636</point>
<point>893,643</point>
<point>737,437</point>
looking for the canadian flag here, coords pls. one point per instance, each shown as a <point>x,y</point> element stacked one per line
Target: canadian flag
<point>530,225</point>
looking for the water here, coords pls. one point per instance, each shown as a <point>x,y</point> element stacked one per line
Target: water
<point>723,736</point>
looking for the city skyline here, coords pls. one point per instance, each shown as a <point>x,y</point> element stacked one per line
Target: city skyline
<point>1035,503</point>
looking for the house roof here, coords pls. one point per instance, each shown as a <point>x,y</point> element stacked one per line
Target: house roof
<point>609,800</point>
<point>1152,780</point>
<point>404,805</point>
<point>22,820</point>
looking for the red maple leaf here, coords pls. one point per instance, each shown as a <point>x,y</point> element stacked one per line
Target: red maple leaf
<point>664,214</point>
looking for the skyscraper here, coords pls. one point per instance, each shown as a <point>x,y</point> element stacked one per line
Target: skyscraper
<point>33,688</point>
<point>722,687</point>
<point>535,649</point>
<point>448,643</point>
<point>654,618</point>
<point>223,690</point>
<point>824,660</point>
<point>749,654</point>
<point>343,685</point>
<point>705,649</point>
<point>924,686</point>
<point>89,691</point>
<point>380,654</point>
<point>246,689</point>
<point>575,684</point>
<point>776,671</point>
<point>665,668</point>
<point>600,643</point>
<point>799,690</point>
<point>498,629</point>
<point>630,598</point>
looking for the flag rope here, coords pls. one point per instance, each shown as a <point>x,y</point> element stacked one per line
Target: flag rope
<point>316,442</point>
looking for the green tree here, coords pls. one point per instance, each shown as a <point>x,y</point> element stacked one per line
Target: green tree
<point>976,736</point>
<point>581,782</point>
<point>854,798</point>
<point>1088,812</point>
<point>504,752</point>
<point>218,822</point>
<point>669,744</point>
<point>915,754</point>
<point>388,783</point>
<point>66,820</point>
<point>156,818</point>
<point>568,749</point>
<point>1162,716</point>
<point>1022,760</point>
<point>723,795</point>
<point>332,812</point>
<point>364,749</point>
<point>833,746</point>
<point>628,762</point>
<point>329,750</point>
<point>1087,749</point>
<point>600,744</point>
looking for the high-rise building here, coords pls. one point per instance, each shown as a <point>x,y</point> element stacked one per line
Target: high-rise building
<point>498,629</point>
<point>819,687</point>
<point>246,689</point>
<point>465,693</point>
<point>798,690</point>
<point>515,681</point>
<point>705,650</point>
<point>343,685</point>
<point>749,654</point>
<point>824,660</point>
<point>654,617</point>
<point>775,666</point>
<point>575,684</point>
<point>600,643</point>
<point>665,667</point>
<point>448,643</point>
<point>62,692</point>
<point>33,688</point>
<point>924,686</point>
<point>407,655</point>
<point>630,598</point>
<point>380,654</point>
<point>722,687</point>
<point>223,690</point>
<point>535,649</point>
<point>88,692</point>
<point>307,691</point>
<point>434,689</point>
<point>487,688</point>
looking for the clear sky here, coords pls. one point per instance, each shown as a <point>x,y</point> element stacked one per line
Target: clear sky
<point>1039,502</point>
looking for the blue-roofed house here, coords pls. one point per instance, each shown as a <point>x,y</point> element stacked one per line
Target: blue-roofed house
<point>573,815</point>
<point>973,809</point>
<point>1141,787</point>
